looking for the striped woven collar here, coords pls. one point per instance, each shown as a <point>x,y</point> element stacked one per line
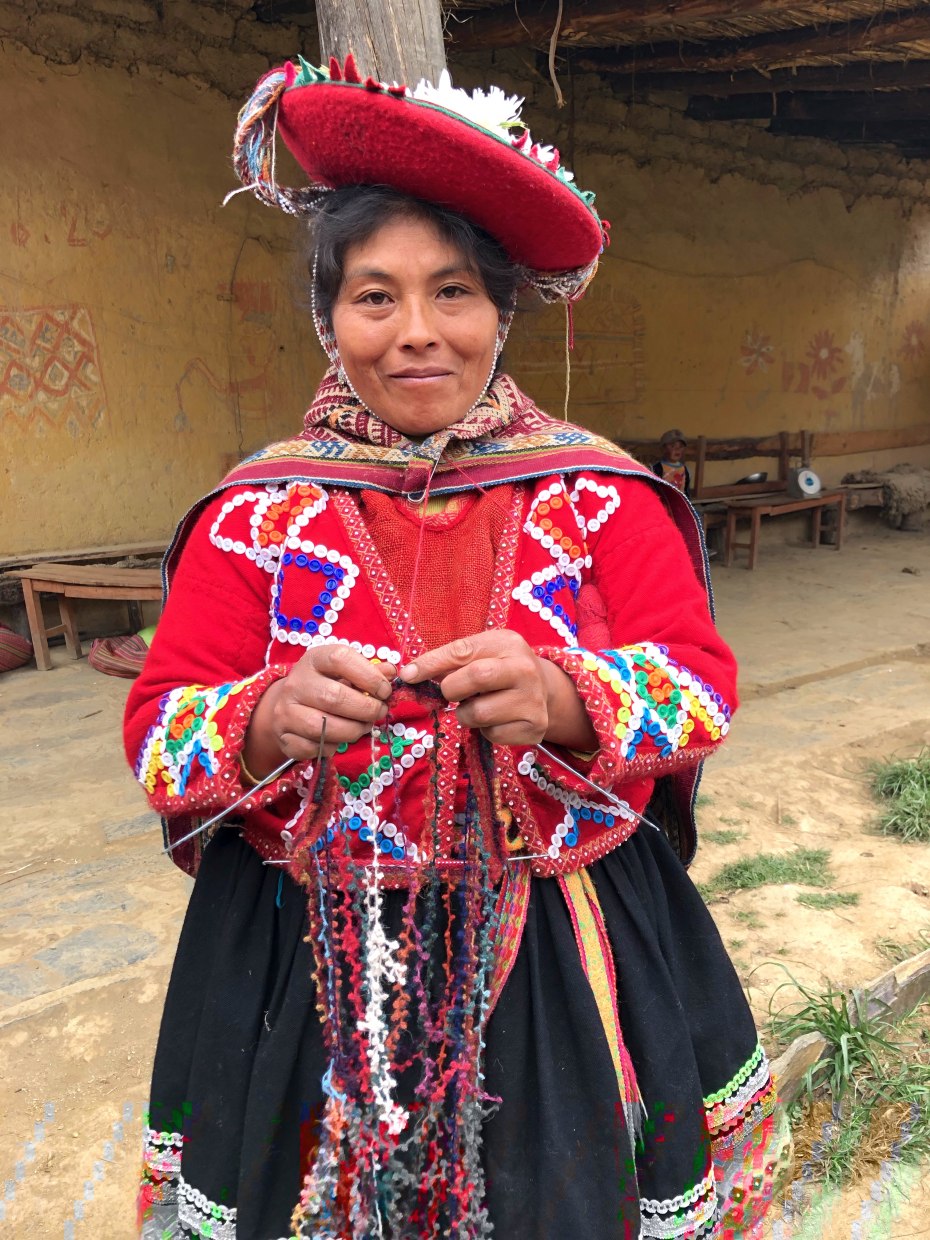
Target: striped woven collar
<point>504,438</point>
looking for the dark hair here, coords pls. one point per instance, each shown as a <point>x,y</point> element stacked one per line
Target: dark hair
<point>351,215</point>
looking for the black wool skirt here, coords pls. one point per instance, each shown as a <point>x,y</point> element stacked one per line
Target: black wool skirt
<point>236,1088</point>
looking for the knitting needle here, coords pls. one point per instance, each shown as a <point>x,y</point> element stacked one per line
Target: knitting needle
<point>205,826</point>
<point>620,806</point>
<point>614,800</point>
<point>262,783</point>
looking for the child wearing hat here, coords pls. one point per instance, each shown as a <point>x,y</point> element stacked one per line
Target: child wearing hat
<point>672,466</point>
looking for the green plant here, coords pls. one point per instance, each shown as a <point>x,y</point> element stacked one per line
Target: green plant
<point>896,951</point>
<point>884,1111</point>
<point>723,837</point>
<point>855,1039</point>
<point>787,820</point>
<point>904,787</point>
<point>729,821</point>
<point>828,899</point>
<point>703,799</point>
<point>807,866</point>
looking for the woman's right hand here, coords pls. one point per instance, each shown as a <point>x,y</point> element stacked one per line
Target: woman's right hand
<point>332,681</point>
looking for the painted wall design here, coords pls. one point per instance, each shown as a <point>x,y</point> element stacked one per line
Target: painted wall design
<point>50,368</point>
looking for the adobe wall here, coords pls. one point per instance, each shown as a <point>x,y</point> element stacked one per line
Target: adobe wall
<point>148,335</point>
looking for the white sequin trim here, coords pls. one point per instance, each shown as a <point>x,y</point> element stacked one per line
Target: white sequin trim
<point>609,497</point>
<point>530,766</point>
<point>203,1217</point>
<point>691,1210</point>
<point>261,501</point>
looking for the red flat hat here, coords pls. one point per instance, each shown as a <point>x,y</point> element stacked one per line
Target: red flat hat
<point>480,162</point>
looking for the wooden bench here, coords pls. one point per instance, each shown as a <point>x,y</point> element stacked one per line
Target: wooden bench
<point>754,500</point>
<point>725,504</point>
<point>780,506</point>
<point>71,581</point>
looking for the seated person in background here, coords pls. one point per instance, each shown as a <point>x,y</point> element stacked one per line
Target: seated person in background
<point>672,466</point>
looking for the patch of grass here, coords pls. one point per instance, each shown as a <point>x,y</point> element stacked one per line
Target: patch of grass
<point>856,1039</point>
<point>787,820</point>
<point>745,804</point>
<point>703,799</point>
<point>904,787</point>
<point>828,899</point>
<point>736,944</point>
<point>730,822</point>
<point>808,866</point>
<point>896,951</point>
<point>723,837</point>
<point>749,917</point>
<point>881,1107</point>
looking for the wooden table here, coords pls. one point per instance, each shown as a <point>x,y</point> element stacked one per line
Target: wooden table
<point>780,506</point>
<point>71,581</point>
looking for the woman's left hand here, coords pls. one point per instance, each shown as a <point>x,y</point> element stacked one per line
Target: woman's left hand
<point>506,691</point>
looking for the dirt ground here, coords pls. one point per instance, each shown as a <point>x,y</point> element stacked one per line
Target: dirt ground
<point>835,654</point>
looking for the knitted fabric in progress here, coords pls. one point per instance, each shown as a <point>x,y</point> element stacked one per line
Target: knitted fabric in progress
<point>463,538</point>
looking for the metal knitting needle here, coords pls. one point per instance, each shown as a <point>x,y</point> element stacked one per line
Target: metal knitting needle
<point>262,783</point>
<point>205,826</point>
<point>620,806</point>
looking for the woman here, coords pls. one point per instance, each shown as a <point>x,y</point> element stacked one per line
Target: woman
<point>443,976</point>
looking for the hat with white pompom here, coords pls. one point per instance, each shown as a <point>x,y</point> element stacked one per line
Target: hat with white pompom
<point>468,152</point>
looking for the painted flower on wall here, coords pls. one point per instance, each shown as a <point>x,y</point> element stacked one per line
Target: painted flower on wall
<point>824,353</point>
<point>915,341</point>
<point>756,352</point>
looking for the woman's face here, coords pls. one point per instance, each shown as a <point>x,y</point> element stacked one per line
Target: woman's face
<point>415,328</point>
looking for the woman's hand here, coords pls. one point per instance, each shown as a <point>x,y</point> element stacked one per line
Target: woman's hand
<point>332,681</point>
<point>506,691</point>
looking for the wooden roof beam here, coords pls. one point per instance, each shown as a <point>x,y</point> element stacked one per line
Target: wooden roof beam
<point>514,25</point>
<point>909,134</point>
<point>841,107</point>
<point>759,51</point>
<point>874,75</point>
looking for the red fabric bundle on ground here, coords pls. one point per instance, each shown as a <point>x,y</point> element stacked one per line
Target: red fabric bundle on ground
<point>14,650</point>
<point>118,656</point>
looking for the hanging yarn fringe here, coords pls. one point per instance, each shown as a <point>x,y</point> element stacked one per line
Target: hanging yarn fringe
<point>404,1014</point>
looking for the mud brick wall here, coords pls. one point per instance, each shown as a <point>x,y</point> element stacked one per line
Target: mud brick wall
<point>148,336</point>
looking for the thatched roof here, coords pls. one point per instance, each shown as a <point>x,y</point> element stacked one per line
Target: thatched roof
<point>855,72</point>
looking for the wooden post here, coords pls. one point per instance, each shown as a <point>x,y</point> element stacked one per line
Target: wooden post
<point>392,40</point>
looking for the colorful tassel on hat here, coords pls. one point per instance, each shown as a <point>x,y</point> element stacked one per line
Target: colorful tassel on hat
<point>254,147</point>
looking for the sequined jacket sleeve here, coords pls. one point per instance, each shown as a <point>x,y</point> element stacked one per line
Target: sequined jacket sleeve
<point>187,713</point>
<point>658,680</point>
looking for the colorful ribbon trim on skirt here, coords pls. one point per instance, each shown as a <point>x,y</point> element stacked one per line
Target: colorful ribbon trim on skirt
<point>598,963</point>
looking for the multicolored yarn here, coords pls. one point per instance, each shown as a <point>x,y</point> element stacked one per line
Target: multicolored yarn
<point>404,1017</point>
<point>254,150</point>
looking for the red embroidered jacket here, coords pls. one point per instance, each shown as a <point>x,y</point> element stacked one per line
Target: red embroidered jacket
<point>268,572</point>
